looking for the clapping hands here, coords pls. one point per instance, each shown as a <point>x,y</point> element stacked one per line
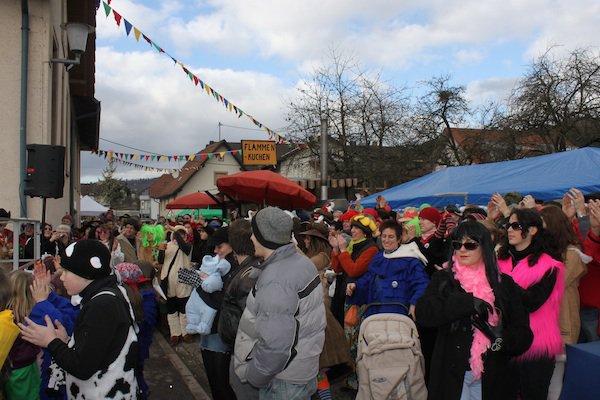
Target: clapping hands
<point>42,335</point>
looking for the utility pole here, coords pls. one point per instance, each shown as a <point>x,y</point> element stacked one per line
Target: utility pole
<point>323,159</point>
<point>220,130</point>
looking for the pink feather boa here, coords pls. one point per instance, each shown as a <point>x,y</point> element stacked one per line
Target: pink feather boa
<point>473,280</point>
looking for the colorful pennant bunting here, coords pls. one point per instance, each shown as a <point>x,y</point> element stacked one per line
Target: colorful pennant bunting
<point>210,91</point>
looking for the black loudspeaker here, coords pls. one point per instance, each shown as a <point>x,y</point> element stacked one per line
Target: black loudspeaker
<point>45,175</point>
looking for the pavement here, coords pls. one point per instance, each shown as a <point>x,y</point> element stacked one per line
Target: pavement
<point>178,372</point>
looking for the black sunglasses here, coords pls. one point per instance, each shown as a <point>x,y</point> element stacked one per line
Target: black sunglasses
<point>457,244</point>
<point>515,226</point>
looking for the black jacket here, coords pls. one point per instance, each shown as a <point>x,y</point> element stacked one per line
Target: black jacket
<point>234,299</point>
<point>448,307</point>
<point>436,250</point>
<point>100,332</point>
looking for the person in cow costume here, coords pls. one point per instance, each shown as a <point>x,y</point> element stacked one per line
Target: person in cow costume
<point>98,361</point>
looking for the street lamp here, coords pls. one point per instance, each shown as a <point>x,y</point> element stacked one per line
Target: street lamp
<point>77,34</point>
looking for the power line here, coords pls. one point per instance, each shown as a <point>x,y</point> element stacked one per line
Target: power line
<point>157,154</point>
<point>128,147</point>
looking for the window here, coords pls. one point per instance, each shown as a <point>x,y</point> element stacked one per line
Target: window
<point>219,175</point>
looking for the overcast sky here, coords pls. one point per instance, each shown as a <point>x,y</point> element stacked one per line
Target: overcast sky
<point>256,52</point>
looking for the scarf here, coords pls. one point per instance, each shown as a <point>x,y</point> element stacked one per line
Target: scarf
<point>353,243</point>
<point>473,280</point>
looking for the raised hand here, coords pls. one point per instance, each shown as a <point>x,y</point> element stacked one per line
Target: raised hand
<point>61,331</point>
<point>500,203</point>
<point>341,242</point>
<point>39,270</point>
<point>568,207</point>
<point>527,202</point>
<point>578,201</point>
<point>409,232</point>
<point>493,213</point>
<point>40,335</point>
<point>40,288</point>
<point>594,213</point>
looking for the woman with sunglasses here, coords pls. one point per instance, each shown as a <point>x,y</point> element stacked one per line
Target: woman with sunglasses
<point>528,256</point>
<point>46,245</point>
<point>106,235</point>
<point>480,319</point>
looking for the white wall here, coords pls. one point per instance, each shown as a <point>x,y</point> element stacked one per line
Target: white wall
<point>204,179</point>
<point>45,18</point>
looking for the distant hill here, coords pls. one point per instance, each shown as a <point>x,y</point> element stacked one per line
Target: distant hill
<point>136,186</point>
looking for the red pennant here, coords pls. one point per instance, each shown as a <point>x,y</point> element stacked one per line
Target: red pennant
<point>147,39</point>
<point>195,80</point>
<point>117,17</point>
<point>187,158</point>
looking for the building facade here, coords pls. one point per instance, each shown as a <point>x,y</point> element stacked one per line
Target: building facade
<point>45,102</point>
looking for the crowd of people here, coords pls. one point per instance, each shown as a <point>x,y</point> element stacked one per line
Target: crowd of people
<point>276,300</point>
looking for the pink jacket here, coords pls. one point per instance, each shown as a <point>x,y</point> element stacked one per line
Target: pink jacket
<point>547,342</point>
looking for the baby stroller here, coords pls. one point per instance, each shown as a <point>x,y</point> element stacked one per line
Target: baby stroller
<point>389,361</point>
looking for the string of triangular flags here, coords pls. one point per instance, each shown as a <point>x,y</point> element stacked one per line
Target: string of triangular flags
<point>107,156</point>
<point>197,81</point>
<point>159,157</point>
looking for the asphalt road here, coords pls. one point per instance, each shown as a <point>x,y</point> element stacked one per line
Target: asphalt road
<point>178,373</point>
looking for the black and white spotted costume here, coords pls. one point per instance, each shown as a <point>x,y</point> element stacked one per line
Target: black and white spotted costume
<point>100,358</point>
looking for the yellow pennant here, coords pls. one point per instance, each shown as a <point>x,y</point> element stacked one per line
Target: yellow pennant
<point>137,33</point>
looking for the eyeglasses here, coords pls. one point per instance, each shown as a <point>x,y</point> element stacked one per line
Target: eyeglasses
<point>515,226</point>
<point>457,245</point>
<point>48,228</point>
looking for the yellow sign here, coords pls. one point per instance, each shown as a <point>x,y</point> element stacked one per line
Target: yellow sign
<point>259,152</point>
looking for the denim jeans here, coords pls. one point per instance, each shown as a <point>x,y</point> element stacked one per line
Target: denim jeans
<point>278,390</point>
<point>589,325</point>
<point>471,389</point>
<point>213,342</point>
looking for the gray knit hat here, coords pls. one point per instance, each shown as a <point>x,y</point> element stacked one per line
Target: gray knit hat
<point>272,227</point>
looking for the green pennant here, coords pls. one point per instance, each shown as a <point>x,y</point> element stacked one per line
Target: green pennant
<point>156,47</point>
<point>191,76</point>
<point>210,155</point>
<point>153,157</point>
<point>106,9</point>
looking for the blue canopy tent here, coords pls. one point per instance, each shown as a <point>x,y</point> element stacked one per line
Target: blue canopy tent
<point>545,177</point>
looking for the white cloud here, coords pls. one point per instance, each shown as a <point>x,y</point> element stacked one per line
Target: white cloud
<point>482,91</point>
<point>468,57</point>
<point>148,103</point>
<point>393,34</point>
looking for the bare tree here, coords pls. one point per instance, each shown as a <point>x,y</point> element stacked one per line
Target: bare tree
<point>441,109</point>
<point>364,114</point>
<point>559,100</point>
